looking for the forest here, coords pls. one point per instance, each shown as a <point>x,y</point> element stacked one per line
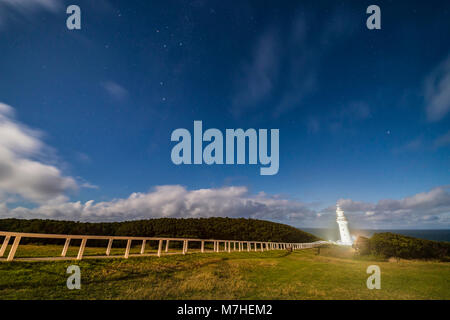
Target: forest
<point>199,228</point>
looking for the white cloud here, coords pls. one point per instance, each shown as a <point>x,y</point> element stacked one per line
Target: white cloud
<point>256,77</point>
<point>20,172</point>
<point>437,91</point>
<point>115,90</point>
<point>427,209</point>
<point>31,5</point>
<point>289,62</point>
<point>411,146</point>
<point>89,185</point>
<point>424,209</point>
<point>18,10</point>
<point>173,201</point>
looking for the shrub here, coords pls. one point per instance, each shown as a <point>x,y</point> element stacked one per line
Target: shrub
<point>398,246</point>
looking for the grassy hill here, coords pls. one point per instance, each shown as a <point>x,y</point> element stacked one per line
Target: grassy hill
<point>201,228</point>
<point>335,273</point>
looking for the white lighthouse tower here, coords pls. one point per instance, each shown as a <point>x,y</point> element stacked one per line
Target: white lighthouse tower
<point>343,227</point>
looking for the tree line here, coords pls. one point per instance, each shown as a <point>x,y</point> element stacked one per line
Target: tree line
<point>198,228</point>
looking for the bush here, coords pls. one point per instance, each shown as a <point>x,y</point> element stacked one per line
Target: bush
<point>398,246</point>
<point>362,245</point>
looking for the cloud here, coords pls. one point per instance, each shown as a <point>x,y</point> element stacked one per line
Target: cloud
<point>85,184</point>
<point>442,141</point>
<point>88,185</point>
<point>411,146</point>
<point>21,173</point>
<point>18,10</point>
<point>426,209</point>
<point>31,5</point>
<point>437,92</point>
<point>257,77</point>
<point>115,90</point>
<point>83,157</point>
<point>420,144</point>
<point>284,67</point>
<point>173,201</point>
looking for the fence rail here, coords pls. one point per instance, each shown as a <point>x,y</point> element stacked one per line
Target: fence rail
<point>228,245</point>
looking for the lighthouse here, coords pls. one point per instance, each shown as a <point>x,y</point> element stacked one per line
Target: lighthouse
<point>346,239</point>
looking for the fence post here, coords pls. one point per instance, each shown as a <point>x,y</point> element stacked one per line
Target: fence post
<point>66,246</point>
<point>127,250</point>
<point>81,251</point>
<point>167,245</point>
<point>203,247</point>
<point>4,245</point>
<point>159,247</point>
<point>229,246</point>
<point>14,247</point>
<point>108,250</point>
<point>143,246</point>
<point>184,247</point>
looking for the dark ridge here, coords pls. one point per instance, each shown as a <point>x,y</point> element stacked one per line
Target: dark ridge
<point>199,228</point>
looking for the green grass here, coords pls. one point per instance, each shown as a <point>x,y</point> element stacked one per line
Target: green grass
<point>334,274</point>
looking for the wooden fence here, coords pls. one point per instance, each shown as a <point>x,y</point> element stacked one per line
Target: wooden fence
<point>227,245</point>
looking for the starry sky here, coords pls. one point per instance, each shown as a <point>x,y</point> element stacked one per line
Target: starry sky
<point>364,115</point>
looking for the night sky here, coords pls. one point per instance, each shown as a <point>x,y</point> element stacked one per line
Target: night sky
<point>364,115</point>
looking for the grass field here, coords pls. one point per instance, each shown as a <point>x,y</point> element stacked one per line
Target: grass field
<point>334,274</point>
